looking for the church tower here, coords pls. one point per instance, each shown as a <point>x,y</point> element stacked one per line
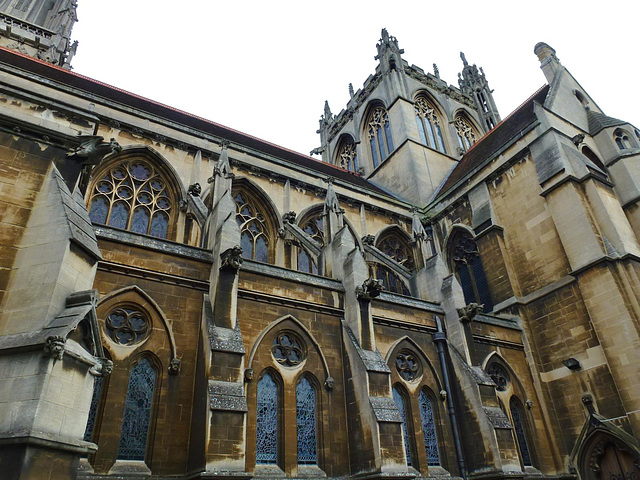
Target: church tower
<point>40,28</point>
<point>473,82</point>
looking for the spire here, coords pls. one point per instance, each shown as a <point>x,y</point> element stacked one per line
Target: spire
<point>40,28</point>
<point>389,53</point>
<point>473,83</point>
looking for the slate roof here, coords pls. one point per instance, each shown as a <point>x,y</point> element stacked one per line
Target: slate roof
<point>599,121</point>
<point>86,84</point>
<point>494,141</point>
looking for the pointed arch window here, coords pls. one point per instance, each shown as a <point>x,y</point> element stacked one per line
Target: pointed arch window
<point>397,248</point>
<point>314,227</point>
<point>391,281</point>
<point>306,423</point>
<point>467,135</point>
<point>254,229</point>
<point>267,421</point>
<point>347,157</point>
<point>133,195</point>
<point>468,268</point>
<point>137,412</point>
<point>517,415</point>
<point>429,125</point>
<point>401,404</point>
<point>429,428</point>
<point>379,133</point>
<point>623,141</point>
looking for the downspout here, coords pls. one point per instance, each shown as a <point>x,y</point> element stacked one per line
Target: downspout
<point>440,339</point>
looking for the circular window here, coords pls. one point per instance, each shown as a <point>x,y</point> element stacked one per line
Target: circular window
<point>288,349</point>
<point>499,376</point>
<point>127,326</point>
<point>408,366</point>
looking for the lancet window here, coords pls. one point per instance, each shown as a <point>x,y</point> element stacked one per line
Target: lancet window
<point>469,271</point>
<point>137,412</point>
<point>622,139</point>
<point>429,124</point>
<point>251,219</point>
<point>267,421</point>
<point>400,402</point>
<point>314,227</point>
<point>347,157</point>
<point>379,133</point>
<point>428,428</point>
<point>517,415</point>
<point>391,281</point>
<point>306,423</point>
<point>467,135</point>
<point>133,195</point>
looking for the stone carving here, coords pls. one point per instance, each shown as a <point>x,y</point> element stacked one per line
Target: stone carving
<point>107,367</point>
<point>578,139</point>
<point>195,190</point>
<point>289,217</point>
<point>174,366</point>
<point>369,240</point>
<point>231,258</point>
<point>248,374</point>
<point>370,289</point>
<point>93,148</point>
<point>329,383</point>
<point>529,403</point>
<point>499,376</point>
<point>468,312</point>
<point>443,395</point>
<point>54,347</point>
<point>408,366</point>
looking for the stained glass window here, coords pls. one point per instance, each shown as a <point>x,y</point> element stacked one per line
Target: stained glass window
<point>466,134</point>
<point>408,366</point>
<point>253,227</point>
<point>400,403</point>
<point>314,227</point>
<point>469,270</point>
<point>429,124</point>
<point>137,412</point>
<point>306,422</point>
<point>267,421</point>
<point>132,195</point>
<point>127,326</point>
<point>397,249</point>
<point>347,155</point>
<point>429,429</point>
<point>288,349</point>
<point>499,376</point>
<point>518,425</point>
<point>379,133</point>
<point>93,409</point>
<point>622,139</point>
<point>391,281</point>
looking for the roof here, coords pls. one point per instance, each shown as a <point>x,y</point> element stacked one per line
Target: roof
<point>94,87</point>
<point>494,141</point>
<point>599,121</point>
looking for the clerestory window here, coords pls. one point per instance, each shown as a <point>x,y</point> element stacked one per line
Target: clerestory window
<point>466,134</point>
<point>347,157</point>
<point>255,232</point>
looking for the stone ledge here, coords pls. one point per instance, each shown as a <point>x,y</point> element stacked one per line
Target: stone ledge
<point>47,440</point>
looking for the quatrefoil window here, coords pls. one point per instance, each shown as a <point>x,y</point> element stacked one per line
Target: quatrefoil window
<point>499,376</point>
<point>408,366</point>
<point>127,326</point>
<point>288,349</point>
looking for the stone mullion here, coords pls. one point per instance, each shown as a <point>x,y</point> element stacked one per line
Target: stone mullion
<point>419,453</point>
<point>289,446</point>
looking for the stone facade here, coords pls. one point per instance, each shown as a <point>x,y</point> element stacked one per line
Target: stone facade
<point>446,294</point>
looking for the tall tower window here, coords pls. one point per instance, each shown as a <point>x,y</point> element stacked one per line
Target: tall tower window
<point>465,132</point>
<point>429,125</point>
<point>379,134</point>
<point>267,421</point>
<point>306,423</point>
<point>429,429</point>
<point>518,425</point>
<point>347,157</point>
<point>137,412</point>
<point>400,402</point>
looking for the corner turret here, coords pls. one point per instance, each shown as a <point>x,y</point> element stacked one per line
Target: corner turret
<point>389,53</point>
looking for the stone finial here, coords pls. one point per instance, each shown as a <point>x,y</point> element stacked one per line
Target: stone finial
<point>327,111</point>
<point>468,312</point>
<point>54,347</point>
<point>351,92</point>
<point>231,258</point>
<point>417,229</point>
<point>370,289</point>
<point>464,59</point>
<point>436,70</point>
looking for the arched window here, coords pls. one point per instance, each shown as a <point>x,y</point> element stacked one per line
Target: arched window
<point>396,247</point>
<point>622,139</point>
<point>137,412</point>
<point>468,268</point>
<point>132,195</point>
<point>400,402</point>
<point>467,135</point>
<point>306,423</point>
<point>267,421</point>
<point>314,227</point>
<point>253,227</point>
<point>517,415</point>
<point>428,428</point>
<point>93,409</point>
<point>379,133</point>
<point>391,281</point>
<point>347,157</point>
<point>429,124</point>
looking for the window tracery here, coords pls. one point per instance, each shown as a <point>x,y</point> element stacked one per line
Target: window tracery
<point>288,349</point>
<point>408,365</point>
<point>429,428</point>
<point>429,124</point>
<point>137,412</point>
<point>468,268</point>
<point>391,281</point>
<point>379,133</point>
<point>622,139</point>
<point>253,228</point>
<point>400,402</point>
<point>267,421</point>
<point>397,249</point>
<point>306,423</point>
<point>499,376</point>
<point>465,132</point>
<point>127,326</point>
<point>348,156</point>
<point>132,195</point>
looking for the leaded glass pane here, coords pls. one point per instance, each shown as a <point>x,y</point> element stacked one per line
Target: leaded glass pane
<point>441,146</point>
<point>399,401</point>
<point>93,409</point>
<point>432,138</point>
<point>99,210</point>
<point>423,135</point>
<point>262,253</point>
<point>304,262</point>
<point>267,421</point>
<point>140,220</point>
<point>383,150</point>
<point>481,284</point>
<point>387,134</point>
<point>465,282</point>
<point>374,152</point>
<point>518,425</point>
<point>429,429</point>
<point>137,412</point>
<point>119,215</point>
<point>306,421</point>
<point>159,225</point>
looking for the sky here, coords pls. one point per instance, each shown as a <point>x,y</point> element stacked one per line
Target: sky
<point>266,68</point>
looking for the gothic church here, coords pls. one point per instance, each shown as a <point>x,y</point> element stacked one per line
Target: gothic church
<point>447,293</point>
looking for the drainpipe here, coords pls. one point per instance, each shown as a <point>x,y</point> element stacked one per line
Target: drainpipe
<point>440,339</point>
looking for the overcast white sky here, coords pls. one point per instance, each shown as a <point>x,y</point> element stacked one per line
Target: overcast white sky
<point>266,68</point>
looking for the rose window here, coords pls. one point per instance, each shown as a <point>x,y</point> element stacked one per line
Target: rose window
<point>287,349</point>
<point>127,326</point>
